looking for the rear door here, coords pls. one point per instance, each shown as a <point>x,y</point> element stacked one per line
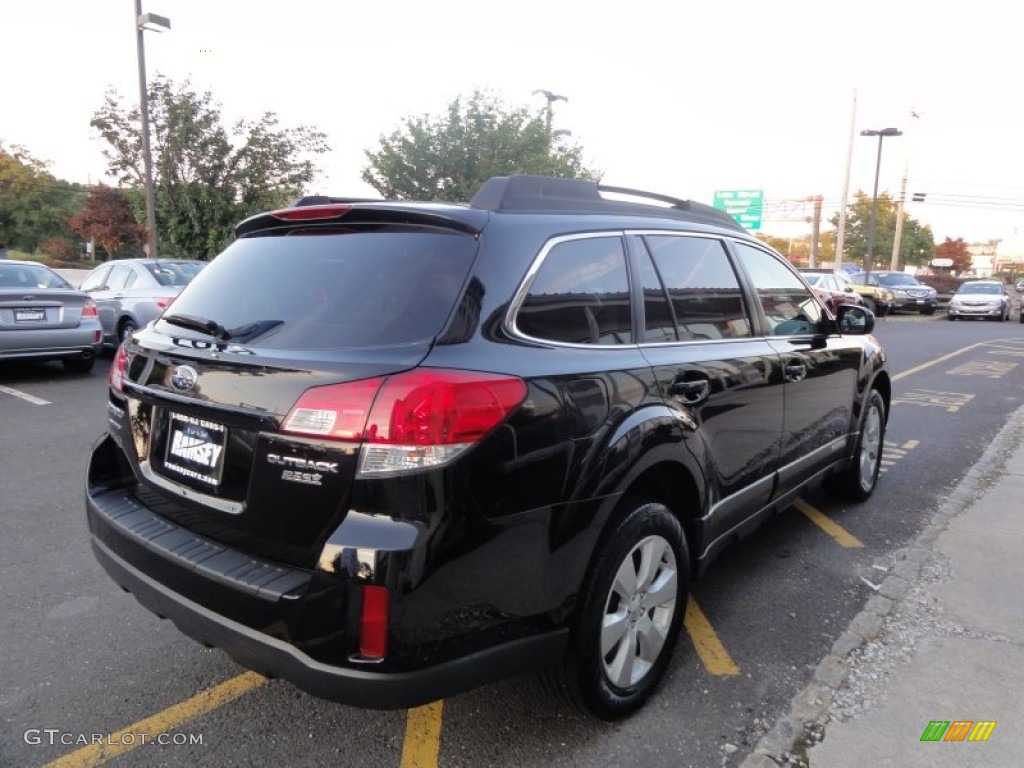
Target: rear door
<point>712,368</point>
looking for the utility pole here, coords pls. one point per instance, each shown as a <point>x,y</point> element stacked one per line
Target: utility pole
<point>815,229</point>
<point>552,98</point>
<point>841,231</point>
<point>898,236</point>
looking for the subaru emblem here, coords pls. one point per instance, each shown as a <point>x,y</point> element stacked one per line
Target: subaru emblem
<point>184,377</point>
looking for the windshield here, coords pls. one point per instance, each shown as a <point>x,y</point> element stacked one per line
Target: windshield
<point>897,278</point>
<point>340,289</point>
<point>989,288</point>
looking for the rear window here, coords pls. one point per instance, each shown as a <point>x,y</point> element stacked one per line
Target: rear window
<point>30,276</point>
<point>173,272</point>
<point>351,288</point>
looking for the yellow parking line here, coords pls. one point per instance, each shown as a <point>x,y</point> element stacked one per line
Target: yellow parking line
<point>709,648</point>
<point>911,444</point>
<point>162,722</point>
<point>843,537</point>
<point>422,736</point>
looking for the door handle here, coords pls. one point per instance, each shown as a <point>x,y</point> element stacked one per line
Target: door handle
<point>795,370</point>
<point>691,391</point>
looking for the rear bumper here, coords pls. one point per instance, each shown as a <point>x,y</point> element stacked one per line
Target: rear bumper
<point>52,343</point>
<point>358,687</point>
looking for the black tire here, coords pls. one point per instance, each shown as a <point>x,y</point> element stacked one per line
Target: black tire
<point>857,482</point>
<point>872,306</point>
<point>79,364</point>
<point>624,635</point>
<point>928,311</point>
<point>126,329</point>
<point>950,317</point>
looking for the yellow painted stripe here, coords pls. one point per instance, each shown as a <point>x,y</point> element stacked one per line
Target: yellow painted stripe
<point>937,360</point>
<point>422,736</point>
<point>843,537</point>
<point>162,722</point>
<point>709,648</point>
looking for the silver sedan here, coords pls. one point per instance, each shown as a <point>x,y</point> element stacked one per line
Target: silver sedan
<point>44,318</point>
<point>131,293</point>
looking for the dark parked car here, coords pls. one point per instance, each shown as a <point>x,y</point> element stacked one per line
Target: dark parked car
<point>980,298</point>
<point>391,451</point>
<point>833,287</point>
<point>909,293</point>
<point>131,293</point>
<point>43,317</point>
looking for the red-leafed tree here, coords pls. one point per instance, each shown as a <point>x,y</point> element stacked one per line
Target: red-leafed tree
<point>957,251</point>
<point>107,218</point>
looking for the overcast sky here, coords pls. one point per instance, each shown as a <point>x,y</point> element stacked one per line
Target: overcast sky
<point>681,98</point>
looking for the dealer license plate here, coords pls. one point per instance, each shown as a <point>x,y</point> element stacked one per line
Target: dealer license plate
<point>29,315</point>
<point>195,448</point>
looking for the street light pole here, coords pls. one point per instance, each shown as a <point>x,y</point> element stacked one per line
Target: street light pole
<point>552,98</point>
<point>142,23</point>
<point>872,222</point>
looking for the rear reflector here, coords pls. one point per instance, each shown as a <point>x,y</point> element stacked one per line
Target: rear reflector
<point>373,623</point>
<point>422,418</point>
<point>117,370</point>
<point>308,212</point>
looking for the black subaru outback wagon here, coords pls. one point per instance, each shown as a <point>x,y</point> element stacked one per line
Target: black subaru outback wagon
<point>391,450</point>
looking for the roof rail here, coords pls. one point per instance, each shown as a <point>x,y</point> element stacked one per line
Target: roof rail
<point>550,194</point>
<point>325,200</point>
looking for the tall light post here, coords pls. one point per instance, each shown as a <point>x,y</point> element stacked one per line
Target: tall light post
<point>868,257</point>
<point>144,21</point>
<point>552,98</point>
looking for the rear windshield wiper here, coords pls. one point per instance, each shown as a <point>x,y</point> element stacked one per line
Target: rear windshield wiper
<point>242,333</point>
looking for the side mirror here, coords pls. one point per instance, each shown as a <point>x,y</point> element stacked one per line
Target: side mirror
<point>854,320</point>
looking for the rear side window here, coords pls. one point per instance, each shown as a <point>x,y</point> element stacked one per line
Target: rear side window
<point>703,290</point>
<point>25,276</point>
<point>580,295</point>
<point>329,290</point>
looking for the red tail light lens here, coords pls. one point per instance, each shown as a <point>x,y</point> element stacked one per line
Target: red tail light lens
<point>423,418</point>
<point>373,623</point>
<point>164,301</point>
<point>308,212</point>
<point>89,309</point>
<point>117,370</point>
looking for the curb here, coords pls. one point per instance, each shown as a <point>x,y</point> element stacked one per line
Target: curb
<point>787,740</point>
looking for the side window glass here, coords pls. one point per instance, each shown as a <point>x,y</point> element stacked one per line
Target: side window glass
<point>701,285</point>
<point>118,276</point>
<point>95,280</point>
<point>580,295</point>
<point>133,278</point>
<point>659,322</point>
<point>788,306</point>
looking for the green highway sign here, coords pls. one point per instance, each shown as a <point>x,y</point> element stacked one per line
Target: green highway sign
<point>744,205</point>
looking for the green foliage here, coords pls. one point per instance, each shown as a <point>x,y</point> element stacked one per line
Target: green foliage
<point>207,178</point>
<point>33,203</point>
<point>917,244</point>
<point>449,157</point>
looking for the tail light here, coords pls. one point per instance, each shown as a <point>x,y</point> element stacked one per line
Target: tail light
<point>164,302</point>
<point>89,309</point>
<point>117,369</point>
<point>373,623</point>
<point>414,420</point>
<point>309,212</point>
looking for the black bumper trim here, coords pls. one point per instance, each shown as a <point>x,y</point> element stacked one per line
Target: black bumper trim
<point>358,687</point>
<point>130,519</point>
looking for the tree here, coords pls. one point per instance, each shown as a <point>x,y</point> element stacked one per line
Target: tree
<point>108,219</point>
<point>958,252</point>
<point>33,203</point>
<point>917,244</point>
<point>451,156</point>
<point>207,178</point>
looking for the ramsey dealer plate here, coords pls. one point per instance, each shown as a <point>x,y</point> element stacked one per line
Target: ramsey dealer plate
<point>29,315</point>
<point>195,448</point>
